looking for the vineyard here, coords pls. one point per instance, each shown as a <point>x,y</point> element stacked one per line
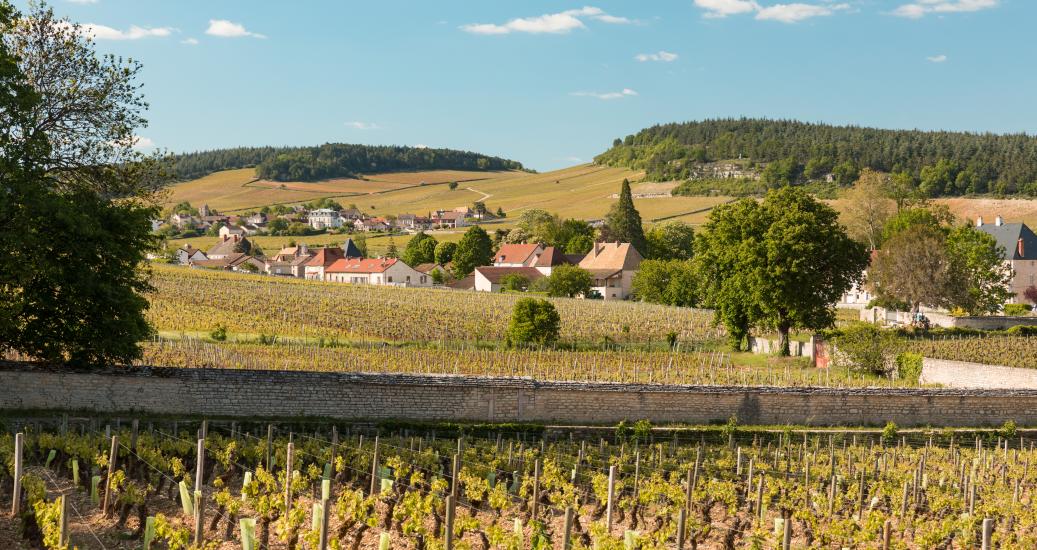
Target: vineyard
<point>184,485</point>
<point>189,300</point>
<point>697,365</point>
<point>1008,351</point>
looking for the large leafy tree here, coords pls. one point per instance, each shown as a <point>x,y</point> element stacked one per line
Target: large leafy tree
<point>475,249</point>
<point>569,281</point>
<point>420,249</point>
<point>980,281</point>
<point>670,282</point>
<point>912,267</point>
<point>780,263</point>
<point>624,222</point>
<point>534,322</point>
<point>671,241</point>
<point>74,196</point>
<point>868,208</point>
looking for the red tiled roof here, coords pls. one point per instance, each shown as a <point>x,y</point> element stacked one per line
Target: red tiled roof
<point>359,265</point>
<point>325,257</point>
<point>495,274</point>
<point>514,253</point>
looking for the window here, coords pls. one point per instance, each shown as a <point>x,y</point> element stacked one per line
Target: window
<point>390,279</point>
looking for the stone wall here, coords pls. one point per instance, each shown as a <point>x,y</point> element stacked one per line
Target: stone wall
<point>272,394</point>
<point>959,374</point>
<point>984,322</point>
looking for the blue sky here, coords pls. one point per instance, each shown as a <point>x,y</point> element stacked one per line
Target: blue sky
<point>551,83</point>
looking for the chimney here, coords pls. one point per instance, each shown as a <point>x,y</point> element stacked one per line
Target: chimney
<point>979,221</point>
<point>998,221</point>
<point>1021,249</point>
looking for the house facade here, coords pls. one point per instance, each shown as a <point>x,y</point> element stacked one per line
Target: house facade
<point>517,255</point>
<point>612,267</point>
<point>324,218</point>
<point>230,244</point>
<point>187,254</point>
<point>1019,244</point>
<point>376,271</point>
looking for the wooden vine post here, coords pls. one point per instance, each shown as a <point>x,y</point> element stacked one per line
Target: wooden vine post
<point>449,534</point>
<point>568,532</point>
<point>455,472</point>
<point>108,480</point>
<point>681,520</point>
<point>325,520</point>
<point>16,498</point>
<point>63,539</point>
<point>374,470</point>
<point>536,488</point>
<point>289,460</point>
<point>611,497</point>
<point>988,530</point>
<point>199,492</point>
<point>269,447</point>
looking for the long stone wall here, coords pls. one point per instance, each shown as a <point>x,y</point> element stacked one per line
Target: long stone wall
<point>271,394</point>
<point>960,374</point>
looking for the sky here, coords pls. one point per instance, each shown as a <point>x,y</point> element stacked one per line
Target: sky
<point>552,83</point>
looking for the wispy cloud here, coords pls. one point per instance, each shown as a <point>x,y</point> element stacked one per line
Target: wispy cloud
<point>794,13</point>
<point>229,29</point>
<point>722,8</point>
<point>625,92</point>
<point>420,146</point>
<point>921,8</point>
<point>786,13</point>
<point>661,55</point>
<point>551,23</point>
<point>190,41</point>
<point>141,142</point>
<point>937,58</point>
<point>359,125</point>
<point>104,32</point>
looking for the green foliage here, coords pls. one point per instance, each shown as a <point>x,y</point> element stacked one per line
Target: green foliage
<point>669,282</point>
<point>475,249</point>
<point>670,241</point>
<point>780,263</point>
<point>909,366</point>
<point>514,283</point>
<point>452,185</point>
<point>421,249</point>
<point>889,433</point>
<point>1017,310</point>
<point>580,244</point>
<point>1008,430</point>
<point>445,252</point>
<point>726,187</point>
<point>979,281</point>
<point>540,226</point>
<point>624,222</point>
<point>864,347</point>
<point>782,172</point>
<point>534,322</point>
<point>947,163</point>
<point>568,281</point>
<point>219,333</point>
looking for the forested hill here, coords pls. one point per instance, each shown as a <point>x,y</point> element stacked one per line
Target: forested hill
<point>941,163</point>
<point>333,160</point>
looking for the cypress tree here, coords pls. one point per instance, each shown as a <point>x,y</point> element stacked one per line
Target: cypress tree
<point>624,221</point>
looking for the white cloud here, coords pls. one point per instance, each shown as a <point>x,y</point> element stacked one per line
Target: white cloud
<point>794,13</point>
<point>626,92</point>
<point>937,58</point>
<point>421,146</point>
<point>921,8</point>
<point>358,125</point>
<point>724,8</point>
<point>661,55</point>
<point>551,23</point>
<point>102,32</point>
<point>141,142</point>
<point>229,29</point>
<point>190,41</point>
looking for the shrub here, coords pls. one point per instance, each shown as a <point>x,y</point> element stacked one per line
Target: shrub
<point>889,433</point>
<point>219,333</point>
<point>1008,429</point>
<point>569,281</point>
<point>514,282</point>
<point>534,322</point>
<point>866,348</point>
<point>1017,310</point>
<point>909,366</point>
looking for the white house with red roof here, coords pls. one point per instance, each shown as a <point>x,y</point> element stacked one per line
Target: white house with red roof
<point>517,255</point>
<point>612,267</point>
<point>376,271</point>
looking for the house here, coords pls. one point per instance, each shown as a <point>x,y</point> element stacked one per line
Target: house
<point>324,218</point>
<point>465,283</point>
<point>237,261</point>
<point>488,279</point>
<point>612,267</point>
<point>187,254</point>
<point>372,224</point>
<point>375,271</point>
<point>351,214</point>
<point>228,230</point>
<point>432,268</point>
<point>256,218</point>
<point>1019,244</point>
<point>290,253</point>
<point>517,255</point>
<point>315,267</point>
<point>411,222</point>
<point>205,211</point>
<point>230,244</point>
<point>551,257</point>
<point>448,219</point>
<point>181,220</point>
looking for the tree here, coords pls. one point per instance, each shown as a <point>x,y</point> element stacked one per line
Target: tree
<point>624,222</point>
<point>979,281</point>
<point>845,173</point>
<point>445,252</point>
<point>569,281</point>
<point>75,292</point>
<point>580,244</point>
<point>668,282</point>
<point>514,282</point>
<point>392,251</point>
<point>452,185</point>
<point>781,173</point>
<point>500,213</point>
<point>671,241</point>
<point>917,216</point>
<point>864,347</point>
<point>474,250</point>
<point>421,249</point>
<point>792,261</point>
<point>534,322</point>
<point>912,267</point>
<point>868,208</point>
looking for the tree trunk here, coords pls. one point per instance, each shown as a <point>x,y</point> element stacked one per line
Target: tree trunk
<point>783,339</point>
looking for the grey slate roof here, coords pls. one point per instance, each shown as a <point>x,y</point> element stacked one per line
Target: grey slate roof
<point>1008,235</point>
